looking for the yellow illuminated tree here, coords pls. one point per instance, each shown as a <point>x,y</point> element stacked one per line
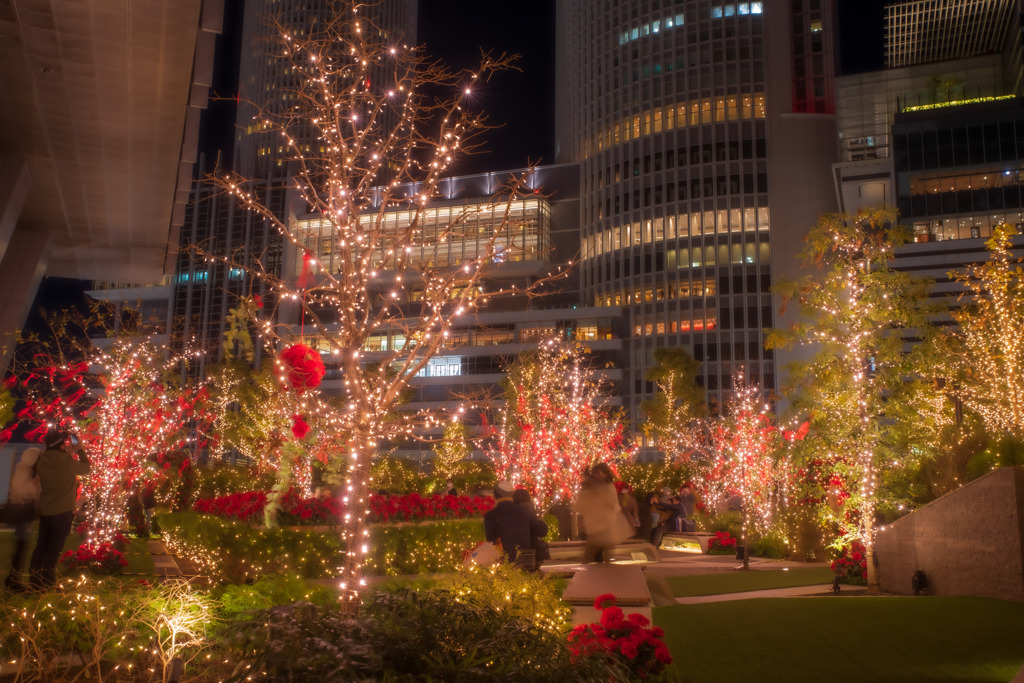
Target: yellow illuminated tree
<point>986,350</point>
<point>857,312</point>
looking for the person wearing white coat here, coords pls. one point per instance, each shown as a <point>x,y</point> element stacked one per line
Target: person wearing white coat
<point>22,511</point>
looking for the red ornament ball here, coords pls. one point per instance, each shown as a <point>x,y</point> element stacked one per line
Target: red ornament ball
<point>303,367</point>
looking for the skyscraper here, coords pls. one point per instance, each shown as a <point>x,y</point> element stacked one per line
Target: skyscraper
<point>705,133</point>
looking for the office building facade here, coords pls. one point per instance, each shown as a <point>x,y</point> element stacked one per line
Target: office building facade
<point>705,132</point>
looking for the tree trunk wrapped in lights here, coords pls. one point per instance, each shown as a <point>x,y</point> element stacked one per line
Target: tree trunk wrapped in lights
<point>857,311</point>
<point>369,130</point>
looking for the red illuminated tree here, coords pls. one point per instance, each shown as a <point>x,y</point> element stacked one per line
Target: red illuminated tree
<point>555,424</point>
<point>124,407</point>
<point>748,458</point>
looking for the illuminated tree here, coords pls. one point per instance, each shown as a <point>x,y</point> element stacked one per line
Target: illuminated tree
<point>369,129</point>
<point>123,405</point>
<point>673,414</point>
<point>985,354</point>
<point>451,453</point>
<point>857,311</point>
<point>748,458</point>
<point>555,424</point>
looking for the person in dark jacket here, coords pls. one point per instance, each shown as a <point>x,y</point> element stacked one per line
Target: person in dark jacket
<point>541,548</point>
<point>510,524</point>
<point>675,510</point>
<point>58,473</point>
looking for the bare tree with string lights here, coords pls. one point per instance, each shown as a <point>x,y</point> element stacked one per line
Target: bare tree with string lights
<point>374,258</point>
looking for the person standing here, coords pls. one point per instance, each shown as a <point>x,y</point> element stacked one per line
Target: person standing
<point>22,510</point>
<point>58,472</point>
<point>540,548</point>
<point>668,523</point>
<point>629,507</point>
<point>603,521</point>
<point>688,501</point>
<point>510,524</point>
<point>449,488</point>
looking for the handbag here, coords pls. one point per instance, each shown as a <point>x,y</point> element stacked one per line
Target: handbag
<point>484,554</point>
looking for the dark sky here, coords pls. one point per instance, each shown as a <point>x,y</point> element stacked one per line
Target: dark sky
<point>861,28</point>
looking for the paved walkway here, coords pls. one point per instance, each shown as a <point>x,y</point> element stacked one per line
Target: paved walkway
<point>641,585</point>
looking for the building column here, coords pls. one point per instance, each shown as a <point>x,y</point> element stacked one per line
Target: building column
<point>15,181</point>
<point>21,270</point>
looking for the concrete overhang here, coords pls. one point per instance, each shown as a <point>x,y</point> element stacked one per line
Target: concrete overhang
<point>101,99</point>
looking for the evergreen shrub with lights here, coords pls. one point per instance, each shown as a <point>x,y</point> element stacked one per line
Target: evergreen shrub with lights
<point>410,635</point>
<point>235,552</point>
<point>109,630</point>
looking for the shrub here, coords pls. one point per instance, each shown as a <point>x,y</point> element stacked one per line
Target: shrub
<point>408,635</point>
<point>528,595</point>
<point>113,630</point>
<point>216,481</point>
<point>237,601</point>
<point>235,552</point>
<point>422,548</point>
<point>771,546</point>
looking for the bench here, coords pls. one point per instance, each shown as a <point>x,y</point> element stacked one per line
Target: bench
<point>686,540</point>
<point>632,549</point>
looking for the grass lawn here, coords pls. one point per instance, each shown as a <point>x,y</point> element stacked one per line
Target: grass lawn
<point>898,639</point>
<point>740,581</point>
<point>137,553</point>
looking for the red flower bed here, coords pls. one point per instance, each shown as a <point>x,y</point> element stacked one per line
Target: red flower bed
<point>723,540</point>
<point>624,638</point>
<point>101,558</point>
<point>852,565</point>
<point>248,507</point>
<point>415,507</point>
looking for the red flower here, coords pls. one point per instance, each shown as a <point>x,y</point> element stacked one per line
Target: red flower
<point>299,427</point>
<point>304,369</point>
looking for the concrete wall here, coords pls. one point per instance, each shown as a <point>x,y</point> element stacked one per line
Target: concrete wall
<point>969,541</point>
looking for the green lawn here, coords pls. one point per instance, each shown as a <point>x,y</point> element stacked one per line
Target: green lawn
<point>740,581</point>
<point>835,639</point>
<point>137,554</point>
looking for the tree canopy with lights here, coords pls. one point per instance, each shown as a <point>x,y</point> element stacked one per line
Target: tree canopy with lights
<point>555,424</point>
<point>856,311</point>
<point>369,127</point>
<point>986,349</point>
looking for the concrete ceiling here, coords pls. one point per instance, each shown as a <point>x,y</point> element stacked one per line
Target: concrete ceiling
<point>101,98</point>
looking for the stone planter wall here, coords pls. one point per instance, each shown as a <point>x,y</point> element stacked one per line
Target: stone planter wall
<point>969,541</point>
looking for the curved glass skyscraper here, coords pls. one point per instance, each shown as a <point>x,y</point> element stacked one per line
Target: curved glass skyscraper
<point>705,135</point>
